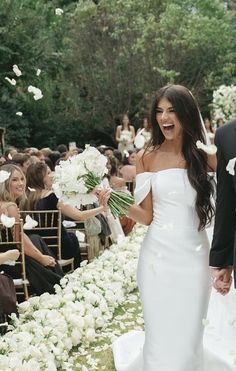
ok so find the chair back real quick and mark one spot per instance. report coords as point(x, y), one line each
point(49, 229)
point(12, 238)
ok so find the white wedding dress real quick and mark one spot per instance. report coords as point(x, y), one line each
point(175, 287)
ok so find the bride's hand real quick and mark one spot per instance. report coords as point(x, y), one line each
point(103, 197)
point(222, 279)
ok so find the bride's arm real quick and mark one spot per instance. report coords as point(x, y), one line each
point(212, 163)
point(142, 213)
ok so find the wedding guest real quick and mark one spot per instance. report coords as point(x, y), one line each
point(42, 269)
point(39, 178)
point(108, 152)
point(223, 251)
point(22, 160)
point(125, 134)
point(128, 170)
point(209, 129)
point(9, 152)
point(219, 122)
point(62, 148)
point(146, 130)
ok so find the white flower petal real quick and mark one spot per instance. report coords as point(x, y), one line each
point(29, 223)
point(16, 70)
point(11, 81)
point(31, 189)
point(6, 221)
point(4, 175)
point(59, 11)
point(38, 72)
point(19, 113)
point(231, 166)
point(209, 149)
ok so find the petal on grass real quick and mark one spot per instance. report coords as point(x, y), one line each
point(16, 70)
point(11, 81)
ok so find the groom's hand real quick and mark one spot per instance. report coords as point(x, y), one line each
point(222, 279)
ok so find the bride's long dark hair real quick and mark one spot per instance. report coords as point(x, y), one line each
point(187, 111)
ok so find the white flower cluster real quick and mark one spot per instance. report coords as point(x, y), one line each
point(224, 102)
point(50, 325)
point(69, 177)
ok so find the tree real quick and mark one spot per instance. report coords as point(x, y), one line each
point(103, 58)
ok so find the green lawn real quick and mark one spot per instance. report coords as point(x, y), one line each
point(99, 355)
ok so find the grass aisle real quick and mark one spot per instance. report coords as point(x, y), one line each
point(99, 355)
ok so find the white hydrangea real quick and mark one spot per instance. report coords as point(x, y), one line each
point(224, 102)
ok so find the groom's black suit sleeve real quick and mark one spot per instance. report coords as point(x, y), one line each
point(222, 251)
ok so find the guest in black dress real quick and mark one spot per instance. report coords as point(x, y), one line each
point(39, 178)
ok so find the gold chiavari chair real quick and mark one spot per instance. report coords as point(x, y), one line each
point(49, 228)
point(12, 238)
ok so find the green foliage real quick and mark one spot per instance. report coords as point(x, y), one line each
point(102, 58)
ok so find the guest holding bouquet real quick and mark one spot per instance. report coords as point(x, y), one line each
point(40, 196)
point(125, 135)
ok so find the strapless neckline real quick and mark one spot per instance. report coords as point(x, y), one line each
point(162, 171)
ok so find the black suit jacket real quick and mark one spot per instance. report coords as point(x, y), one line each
point(223, 251)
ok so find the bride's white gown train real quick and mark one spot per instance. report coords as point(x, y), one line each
point(174, 285)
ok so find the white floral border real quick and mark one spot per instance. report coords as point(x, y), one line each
point(49, 326)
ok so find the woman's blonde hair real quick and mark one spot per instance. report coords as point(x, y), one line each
point(5, 192)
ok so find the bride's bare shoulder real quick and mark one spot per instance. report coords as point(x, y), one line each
point(145, 159)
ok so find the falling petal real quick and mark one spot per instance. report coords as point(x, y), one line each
point(6, 221)
point(9, 156)
point(209, 149)
point(4, 175)
point(16, 70)
point(19, 113)
point(231, 165)
point(29, 223)
point(38, 72)
point(126, 153)
point(11, 81)
point(198, 248)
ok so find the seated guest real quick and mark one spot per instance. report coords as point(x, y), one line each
point(39, 178)
point(22, 160)
point(128, 170)
point(42, 269)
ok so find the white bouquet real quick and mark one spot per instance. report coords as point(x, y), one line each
point(75, 179)
point(124, 136)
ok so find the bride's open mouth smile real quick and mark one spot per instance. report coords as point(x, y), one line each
point(168, 127)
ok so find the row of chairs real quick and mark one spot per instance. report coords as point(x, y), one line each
point(49, 228)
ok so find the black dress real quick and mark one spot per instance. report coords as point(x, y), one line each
point(69, 242)
point(41, 279)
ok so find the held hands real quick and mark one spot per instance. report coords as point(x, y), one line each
point(221, 279)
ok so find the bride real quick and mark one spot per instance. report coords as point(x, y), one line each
point(173, 196)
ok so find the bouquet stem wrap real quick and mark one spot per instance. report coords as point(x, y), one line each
point(119, 202)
